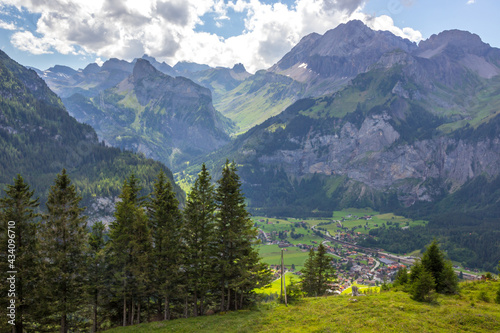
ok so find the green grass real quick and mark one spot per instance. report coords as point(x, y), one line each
point(271, 254)
point(361, 288)
point(275, 286)
point(381, 312)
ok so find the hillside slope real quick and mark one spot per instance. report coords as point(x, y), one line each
point(385, 312)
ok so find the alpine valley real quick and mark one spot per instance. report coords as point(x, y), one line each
point(352, 118)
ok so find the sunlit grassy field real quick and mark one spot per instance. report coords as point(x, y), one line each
point(471, 311)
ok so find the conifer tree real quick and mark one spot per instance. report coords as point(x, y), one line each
point(309, 275)
point(19, 207)
point(165, 221)
point(441, 270)
point(423, 286)
point(401, 277)
point(326, 272)
point(97, 270)
point(236, 235)
point(318, 273)
point(63, 238)
point(129, 250)
point(199, 239)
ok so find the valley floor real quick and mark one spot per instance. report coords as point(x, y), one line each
point(473, 310)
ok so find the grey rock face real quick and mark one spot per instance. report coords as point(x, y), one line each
point(372, 156)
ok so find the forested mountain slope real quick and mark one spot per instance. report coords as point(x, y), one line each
point(38, 138)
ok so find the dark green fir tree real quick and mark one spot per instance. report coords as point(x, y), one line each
point(18, 239)
point(165, 222)
point(237, 256)
point(199, 240)
point(63, 240)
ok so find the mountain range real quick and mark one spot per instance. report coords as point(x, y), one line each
point(38, 138)
point(351, 118)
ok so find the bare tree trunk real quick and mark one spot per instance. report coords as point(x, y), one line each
point(202, 304)
point(241, 301)
point(132, 306)
point(228, 298)
point(166, 311)
point(195, 306)
point(235, 300)
point(139, 312)
point(64, 328)
point(124, 310)
point(185, 307)
point(222, 298)
point(94, 324)
point(124, 303)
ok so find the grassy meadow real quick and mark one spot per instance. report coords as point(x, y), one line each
point(472, 311)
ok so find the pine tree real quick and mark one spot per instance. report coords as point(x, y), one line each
point(165, 221)
point(422, 288)
point(326, 272)
point(236, 254)
point(318, 273)
point(63, 238)
point(199, 239)
point(130, 249)
point(97, 269)
point(19, 207)
point(309, 285)
point(434, 262)
point(401, 277)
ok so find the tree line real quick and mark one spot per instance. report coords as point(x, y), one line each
point(153, 262)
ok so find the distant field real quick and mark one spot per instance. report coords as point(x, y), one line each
point(271, 254)
point(275, 287)
point(351, 217)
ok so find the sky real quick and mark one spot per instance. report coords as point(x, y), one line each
point(257, 33)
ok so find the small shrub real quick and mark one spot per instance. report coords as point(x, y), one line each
point(497, 299)
point(483, 296)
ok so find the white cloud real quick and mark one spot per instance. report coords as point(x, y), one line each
point(384, 22)
point(470, 2)
point(165, 29)
point(7, 26)
point(25, 41)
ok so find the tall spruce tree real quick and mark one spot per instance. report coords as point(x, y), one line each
point(165, 222)
point(130, 249)
point(309, 275)
point(236, 235)
point(318, 272)
point(97, 270)
point(19, 207)
point(63, 239)
point(199, 240)
point(434, 262)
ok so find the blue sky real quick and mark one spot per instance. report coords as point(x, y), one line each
point(256, 33)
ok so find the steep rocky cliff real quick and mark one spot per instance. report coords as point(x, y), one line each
point(168, 119)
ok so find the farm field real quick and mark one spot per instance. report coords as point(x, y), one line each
point(349, 218)
point(275, 286)
point(271, 254)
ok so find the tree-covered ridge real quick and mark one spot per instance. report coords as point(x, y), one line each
point(38, 138)
point(154, 262)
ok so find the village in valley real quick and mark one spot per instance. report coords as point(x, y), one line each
point(354, 264)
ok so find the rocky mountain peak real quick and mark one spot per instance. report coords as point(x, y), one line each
point(451, 41)
point(115, 63)
point(239, 68)
point(62, 70)
point(142, 69)
point(91, 68)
